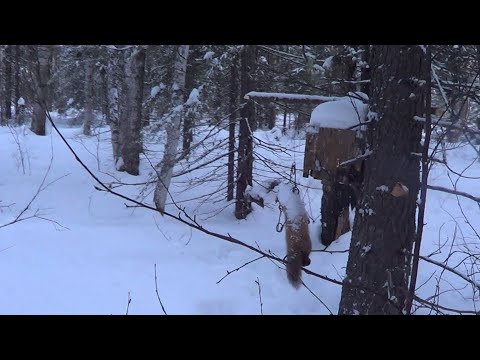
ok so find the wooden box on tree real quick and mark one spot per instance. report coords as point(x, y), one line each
point(333, 155)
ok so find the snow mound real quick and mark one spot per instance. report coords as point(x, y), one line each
point(340, 114)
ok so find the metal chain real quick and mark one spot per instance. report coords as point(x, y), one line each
point(293, 173)
point(279, 224)
point(293, 179)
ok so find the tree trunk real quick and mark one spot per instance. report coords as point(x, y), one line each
point(131, 113)
point(245, 146)
point(2, 80)
point(88, 95)
point(231, 128)
point(189, 119)
point(366, 74)
point(165, 168)
point(17, 81)
point(7, 60)
point(41, 58)
point(113, 85)
point(328, 216)
point(271, 116)
point(384, 230)
point(188, 123)
point(104, 93)
point(303, 117)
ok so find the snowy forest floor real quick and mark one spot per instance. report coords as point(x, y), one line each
point(98, 252)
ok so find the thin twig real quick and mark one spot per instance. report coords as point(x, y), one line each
point(156, 290)
point(452, 270)
point(316, 297)
point(247, 263)
point(260, 295)
point(332, 251)
point(436, 307)
point(454, 192)
point(128, 303)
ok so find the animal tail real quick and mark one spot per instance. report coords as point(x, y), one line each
point(294, 268)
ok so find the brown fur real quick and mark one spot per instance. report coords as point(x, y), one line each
point(299, 247)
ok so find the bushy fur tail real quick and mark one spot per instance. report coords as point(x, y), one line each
point(294, 268)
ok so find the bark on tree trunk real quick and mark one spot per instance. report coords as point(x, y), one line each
point(245, 146)
point(384, 230)
point(41, 58)
point(366, 73)
point(17, 81)
point(231, 128)
point(165, 168)
point(88, 106)
point(271, 116)
point(131, 113)
point(8, 81)
point(2, 80)
point(190, 77)
point(113, 119)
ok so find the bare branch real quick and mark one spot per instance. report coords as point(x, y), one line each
point(454, 192)
point(452, 270)
point(438, 307)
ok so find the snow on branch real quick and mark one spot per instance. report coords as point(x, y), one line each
point(354, 160)
point(291, 97)
point(446, 123)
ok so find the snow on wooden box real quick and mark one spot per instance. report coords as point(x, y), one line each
point(331, 136)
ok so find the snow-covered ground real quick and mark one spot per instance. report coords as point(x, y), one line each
point(98, 252)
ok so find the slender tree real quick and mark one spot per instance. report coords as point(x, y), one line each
point(231, 127)
point(40, 61)
point(165, 168)
point(113, 88)
point(8, 81)
point(245, 145)
point(17, 78)
point(89, 63)
point(131, 112)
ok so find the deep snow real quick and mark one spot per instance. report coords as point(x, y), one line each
point(109, 250)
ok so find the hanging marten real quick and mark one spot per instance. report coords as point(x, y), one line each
point(297, 233)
